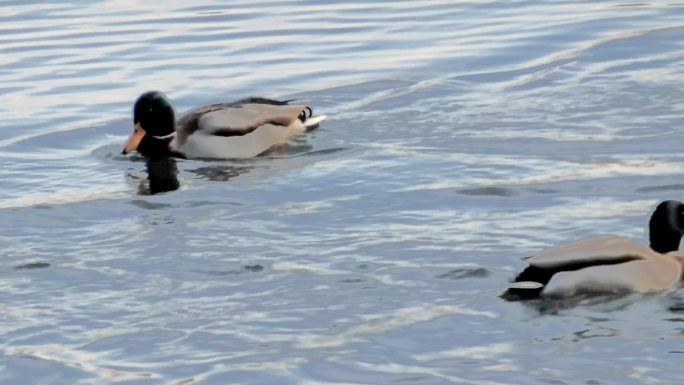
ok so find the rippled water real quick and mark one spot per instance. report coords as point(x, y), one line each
point(462, 136)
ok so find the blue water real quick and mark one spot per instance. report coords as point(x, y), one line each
point(461, 137)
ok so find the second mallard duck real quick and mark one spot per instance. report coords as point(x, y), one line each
point(241, 129)
point(608, 264)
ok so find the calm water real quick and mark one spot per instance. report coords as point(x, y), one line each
point(462, 136)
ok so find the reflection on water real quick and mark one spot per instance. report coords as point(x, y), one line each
point(245, 269)
point(162, 176)
point(468, 272)
point(32, 265)
point(601, 303)
point(221, 173)
point(461, 137)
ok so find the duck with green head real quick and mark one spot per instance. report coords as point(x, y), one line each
point(240, 129)
point(608, 264)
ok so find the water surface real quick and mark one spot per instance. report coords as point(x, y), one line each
point(461, 137)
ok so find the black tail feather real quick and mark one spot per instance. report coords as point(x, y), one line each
point(530, 274)
point(303, 116)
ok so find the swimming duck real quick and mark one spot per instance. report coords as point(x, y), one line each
point(608, 264)
point(241, 129)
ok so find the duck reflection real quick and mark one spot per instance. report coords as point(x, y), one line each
point(162, 176)
point(221, 173)
point(162, 172)
point(602, 302)
point(287, 156)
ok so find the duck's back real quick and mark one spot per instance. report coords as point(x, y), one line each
point(605, 248)
point(241, 129)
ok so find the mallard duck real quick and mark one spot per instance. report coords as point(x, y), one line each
point(240, 129)
point(608, 264)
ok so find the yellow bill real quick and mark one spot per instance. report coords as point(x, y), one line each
point(134, 140)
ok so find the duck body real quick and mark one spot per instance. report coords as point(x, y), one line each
point(240, 129)
point(608, 264)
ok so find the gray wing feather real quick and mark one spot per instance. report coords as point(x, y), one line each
point(601, 248)
point(236, 118)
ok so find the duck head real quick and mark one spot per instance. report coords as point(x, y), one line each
point(153, 117)
point(666, 226)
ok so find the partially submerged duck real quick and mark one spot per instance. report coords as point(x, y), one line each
point(608, 264)
point(241, 129)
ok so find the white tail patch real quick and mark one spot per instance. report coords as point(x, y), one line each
point(525, 285)
point(314, 121)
